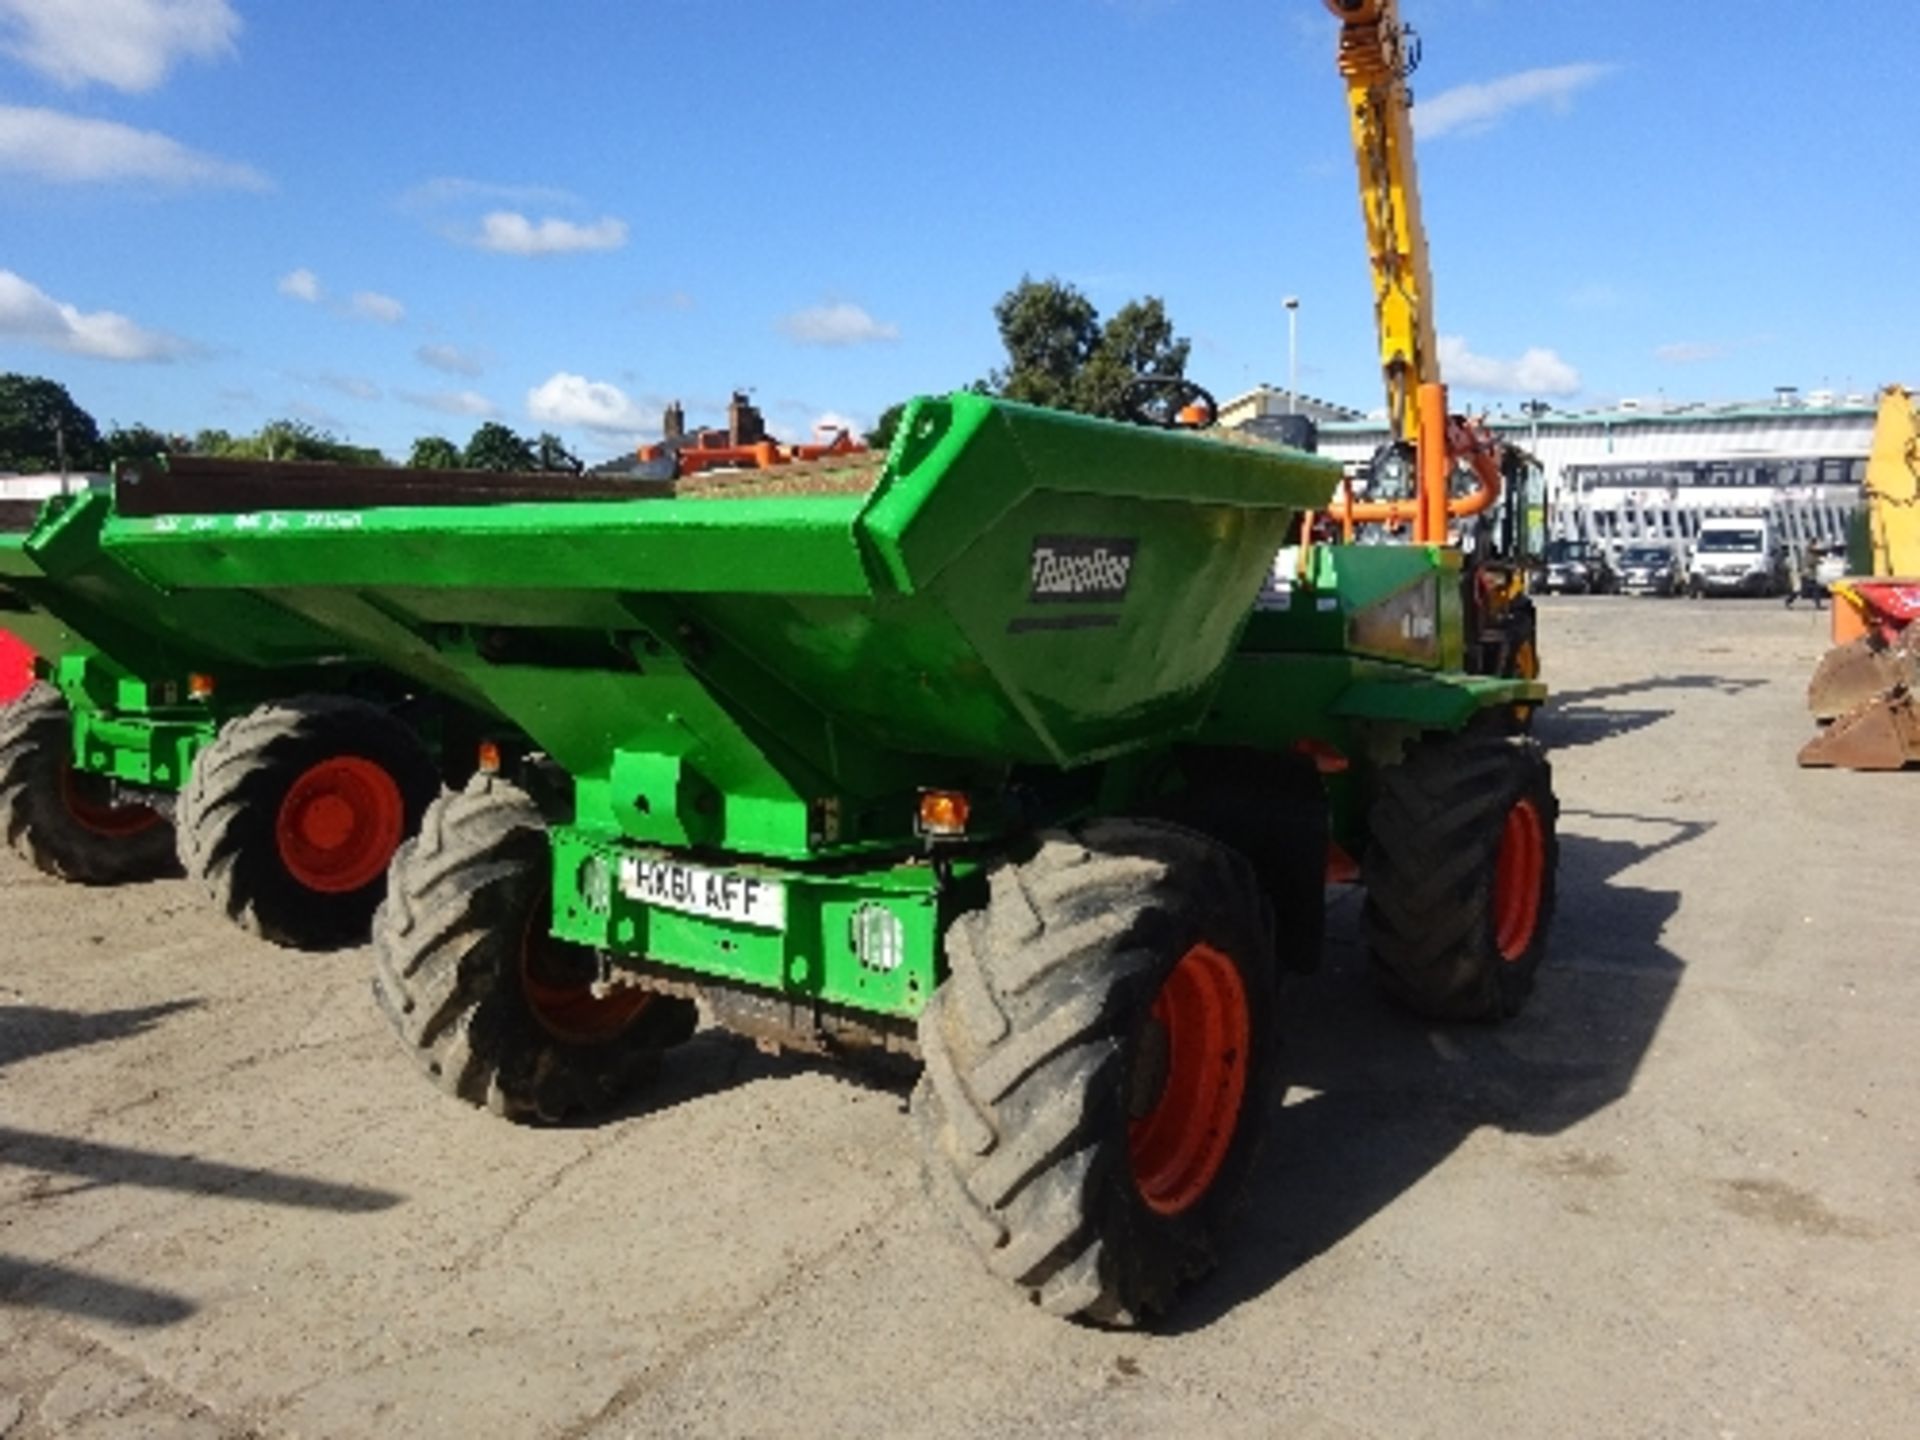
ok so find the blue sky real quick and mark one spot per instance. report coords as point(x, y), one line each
point(395, 219)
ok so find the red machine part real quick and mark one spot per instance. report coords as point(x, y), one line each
point(16, 667)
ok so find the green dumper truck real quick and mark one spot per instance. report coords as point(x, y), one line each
point(1018, 753)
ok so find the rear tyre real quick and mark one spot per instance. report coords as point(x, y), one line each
point(65, 822)
point(1459, 871)
point(1101, 1064)
point(293, 812)
point(495, 1011)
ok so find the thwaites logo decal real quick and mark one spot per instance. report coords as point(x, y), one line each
point(1077, 570)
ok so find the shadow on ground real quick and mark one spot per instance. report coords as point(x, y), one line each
point(30, 1030)
point(714, 1061)
point(62, 1165)
point(1578, 717)
point(26, 1285)
point(1392, 1096)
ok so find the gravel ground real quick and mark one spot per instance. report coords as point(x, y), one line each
point(1678, 1197)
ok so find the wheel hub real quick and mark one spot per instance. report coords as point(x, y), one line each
point(1189, 1080)
point(339, 824)
point(1519, 873)
point(93, 810)
point(558, 982)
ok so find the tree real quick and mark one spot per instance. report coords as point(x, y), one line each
point(1137, 341)
point(495, 447)
point(549, 453)
point(297, 440)
point(434, 452)
point(1060, 355)
point(134, 442)
point(1050, 330)
point(881, 436)
point(38, 420)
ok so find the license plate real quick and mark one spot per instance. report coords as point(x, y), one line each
point(716, 894)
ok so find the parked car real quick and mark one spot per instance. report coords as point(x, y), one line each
point(1652, 567)
point(1577, 567)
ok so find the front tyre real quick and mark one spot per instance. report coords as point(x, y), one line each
point(66, 822)
point(1101, 1065)
point(293, 812)
point(1459, 872)
point(488, 1004)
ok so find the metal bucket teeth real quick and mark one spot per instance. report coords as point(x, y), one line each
point(1881, 734)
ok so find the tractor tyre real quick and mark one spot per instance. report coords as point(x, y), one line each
point(1459, 874)
point(1101, 1064)
point(490, 1006)
point(292, 814)
point(66, 822)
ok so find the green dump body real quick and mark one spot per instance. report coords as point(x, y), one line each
point(778, 675)
point(122, 648)
point(60, 591)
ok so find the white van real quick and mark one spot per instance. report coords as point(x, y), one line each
point(1736, 555)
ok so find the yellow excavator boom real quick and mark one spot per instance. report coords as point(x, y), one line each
point(1893, 486)
point(1374, 61)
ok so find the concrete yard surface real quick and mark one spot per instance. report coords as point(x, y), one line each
point(1680, 1196)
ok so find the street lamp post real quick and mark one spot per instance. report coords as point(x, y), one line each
point(1292, 302)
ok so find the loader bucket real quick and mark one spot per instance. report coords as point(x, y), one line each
point(1882, 733)
point(1865, 667)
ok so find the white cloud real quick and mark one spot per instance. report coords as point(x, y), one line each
point(128, 44)
point(1689, 352)
point(371, 305)
point(452, 402)
point(29, 313)
point(301, 284)
point(355, 387)
point(565, 399)
point(1538, 371)
point(508, 232)
point(73, 150)
point(838, 324)
point(832, 420)
point(1470, 109)
point(448, 190)
point(449, 359)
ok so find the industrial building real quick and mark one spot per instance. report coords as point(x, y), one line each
point(1654, 469)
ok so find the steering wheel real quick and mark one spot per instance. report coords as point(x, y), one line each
point(1168, 402)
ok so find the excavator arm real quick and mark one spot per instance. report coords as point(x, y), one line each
point(1375, 60)
point(1377, 53)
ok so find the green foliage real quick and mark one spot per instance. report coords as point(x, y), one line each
point(1050, 330)
point(550, 454)
point(1137, 341)
point(495, 447)
point(434, 452)
point(297, 440)
point(881, 436)
point(37, 417)
point(135, 442)
point(1060, 355)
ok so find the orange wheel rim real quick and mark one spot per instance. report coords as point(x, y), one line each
point(339, 824)
point(557, 980)
point(1179, 1145)
point(110, 821)
point(1518, 877)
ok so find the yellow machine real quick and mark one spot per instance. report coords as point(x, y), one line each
point(1862, 690)
point(1377, 53)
